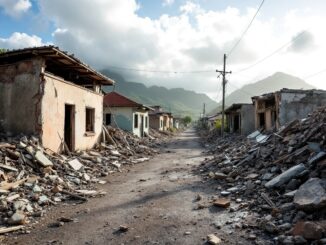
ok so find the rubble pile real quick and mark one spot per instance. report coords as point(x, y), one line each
point(32, 178)
point(277, 179)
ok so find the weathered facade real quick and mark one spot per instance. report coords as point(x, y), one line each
point(159, 119)
point(124, 113)
point(45, 92)
point(274, 110)
point(240, 118)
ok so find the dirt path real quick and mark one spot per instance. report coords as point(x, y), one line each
point(155, 199)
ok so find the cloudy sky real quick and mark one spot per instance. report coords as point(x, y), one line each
point(177, 43)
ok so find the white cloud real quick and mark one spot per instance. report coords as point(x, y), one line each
point(110, 33)
point(20, 40)
point(15, 8)
point(191, 8)
point(167, 2)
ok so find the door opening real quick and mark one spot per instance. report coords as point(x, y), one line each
point(142, 126)
point(69, 129)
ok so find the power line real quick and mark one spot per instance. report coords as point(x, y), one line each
point(315, 74)
point(245, 31)
point(273, 53)
point(160, 71)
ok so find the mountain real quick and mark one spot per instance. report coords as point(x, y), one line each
point(272, 83)
point(177, 100)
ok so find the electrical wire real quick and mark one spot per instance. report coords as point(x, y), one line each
point(315, 74)
point(160, 71)
point(272, 54)
point(245, 31)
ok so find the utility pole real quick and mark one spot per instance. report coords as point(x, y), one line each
point(223, 72)
point(204, 110)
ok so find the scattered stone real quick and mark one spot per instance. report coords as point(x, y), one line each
point(212, 239)
point(42, 159)
point(284, 177)
point(311, 194)
point(17, 218)
point(75, 164)
point(309, 230)
point(222, 202)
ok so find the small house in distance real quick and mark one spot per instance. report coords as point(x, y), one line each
point(124, 113)
point(53, 95)
point(240, 118)
point(159, 119)
point(274, 110)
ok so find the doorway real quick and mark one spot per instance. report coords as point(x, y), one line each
point(69, 128)
point(141, 126)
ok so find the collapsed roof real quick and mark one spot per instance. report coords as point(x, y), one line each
point(59, 63)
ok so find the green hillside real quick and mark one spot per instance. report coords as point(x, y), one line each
point(177, 100)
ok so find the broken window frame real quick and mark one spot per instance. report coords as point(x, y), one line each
point(135, 120)
point(89, 120)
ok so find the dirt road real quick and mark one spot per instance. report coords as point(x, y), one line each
point(155, 199)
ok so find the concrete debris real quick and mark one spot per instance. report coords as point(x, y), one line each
point(33, 178)
point(75, 164)
point(212, 239)
point(222, 202)
point(311, 195)
point(280, 178)
point(284, 177)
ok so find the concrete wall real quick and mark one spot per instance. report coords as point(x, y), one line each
point(20, 95)
point(121, 117)
point(57, 93)
point(299, 105)
point(137, 131)
point(247, 119)
point(155, 122)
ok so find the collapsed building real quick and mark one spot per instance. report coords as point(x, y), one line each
point(240, 118)
point(48, 93)
point(274, 110)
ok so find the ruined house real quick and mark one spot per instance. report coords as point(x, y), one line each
point(159, 119)
point(124, 113)
point(48, 93)
point(240, 118)
point(274, 110)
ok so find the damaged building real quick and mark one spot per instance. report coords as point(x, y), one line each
point(240, 118)
point(274, 110)
point(160, 119)
point(48, 93)
point(124, 113)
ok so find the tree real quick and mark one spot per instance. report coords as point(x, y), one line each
point(186, 120)
point(2, 50)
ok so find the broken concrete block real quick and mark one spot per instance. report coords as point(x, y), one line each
point(42, 159)
point(17, 218)
point(286, 176)
point(222, 202)
point(218, 175)
point(212, 239)
point(311, 194)
point(75, 164)
point(309, 230)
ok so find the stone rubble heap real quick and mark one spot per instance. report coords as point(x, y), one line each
point(280, 183)
point(33, 178)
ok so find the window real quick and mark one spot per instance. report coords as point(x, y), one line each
point(136, 121)
point(108, 119)
point(161, 123)
point(90, 119)
point(146, 122)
